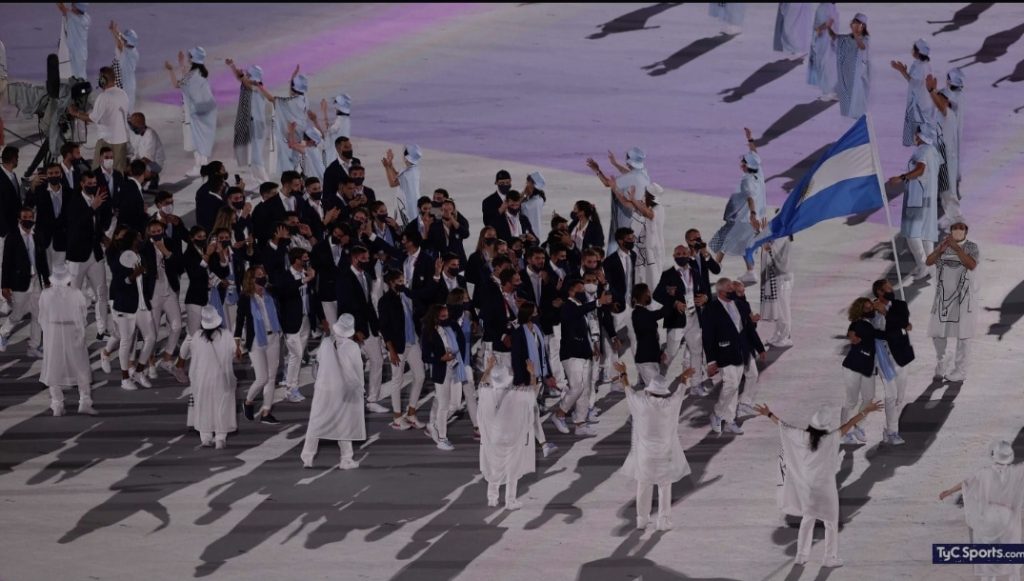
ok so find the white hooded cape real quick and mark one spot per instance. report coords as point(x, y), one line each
point(809, 485)
point(62, 316)
point(507, 418)
point(655, 454)
point(337, 409)
point(212, 379)
point(993, 499)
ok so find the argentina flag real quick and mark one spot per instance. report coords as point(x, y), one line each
point(846, 180)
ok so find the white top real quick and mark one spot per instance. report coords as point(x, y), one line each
point(110, 114)
point(147, 145)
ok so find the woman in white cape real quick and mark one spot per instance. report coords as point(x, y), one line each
point(993, 500)
point(212, 377)
point(648, 222)
point(655, 455)
point(810, 461)
point(200, 106)
point(507, 416)
point(62, 316)
point(337, 409)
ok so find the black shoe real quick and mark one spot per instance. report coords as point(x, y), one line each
point(269, 419)
point(102, 336)
point(249, 411)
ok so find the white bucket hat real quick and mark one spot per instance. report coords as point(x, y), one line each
point(211, 319)
point(345, 326)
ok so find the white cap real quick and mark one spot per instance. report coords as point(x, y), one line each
point(823, 419)
point(753, 160)
point(314, 135)
point(922, 47)
point(413, 153)
point(300, 84)
point(956, 77)
point(255, 73)
point(537, 179)
point(655, 190)
point(129, 259)
point(343, 103)
point(927, 133)
point(211, 318)
point(345, 326)
point(635, 158)
point(198, 55)
point(60, 276)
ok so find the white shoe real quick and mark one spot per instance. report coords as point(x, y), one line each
point(375, 408)
point(58, 410)
point(664, 523)
point(940, 370)
point(307, 461)
point(85, 407)
point(801, 558)
point(34, 352)
point(220, 444)
point(414, 422)
point(193, 173)
point(399, 423)
point(733, 428)
point(492, 501)
point(141, 379)
point(513, 504)
point(104, 362)
point(894, 439)
point(585, 430)
point(787, 342)
point(348, 464)
point(128, 385)
point(548, 448)
point(592, 415)
point(858, 432)
point(716, 424)
point(748, 278)
point(206, 443)
point(849, 439)
point(151, 372)
point(432, 433)
point(642, 522)
point(559, 422)
point(444, 444)
point(832, 563)
point(294, 396)
point(957, 375)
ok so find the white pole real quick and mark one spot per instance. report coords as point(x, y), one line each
point(885, 202)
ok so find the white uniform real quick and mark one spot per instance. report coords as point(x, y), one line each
point(62, 314)
point(993, 500)
point(200, 115)
point(650, 246)
point(507, 417)
point(73, 48)
point(337, 409)
point(777, 287)
point(127, 61)
point(212, 377)
point(809, 485)
point(821, 62)
point(956, 305)
point(793, 27)
point(408, 192)
point(287, 110)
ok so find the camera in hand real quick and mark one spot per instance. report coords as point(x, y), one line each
point(699, 244)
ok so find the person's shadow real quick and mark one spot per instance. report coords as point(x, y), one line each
point(796, 172)
point(686, 54)
point(1015, 77)
point(967, 15)
point(632, 21)
point(767, 73)
point(1010, 311)
point(625, 563)
point(796, 116)
point(994, 46)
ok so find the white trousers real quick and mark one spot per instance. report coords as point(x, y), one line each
point(312, 443)
point(168, 305)
point(894, 392)
point(728, 398)
point(554, 341)
point(859, 391)
point(26, 303)
point(577, 397)
point(647, 372)
point(373, 350)
point(296, 345)
point(55, 257)
point(688, 342)
point(207, 437)
point(57, 395)
point(645, 497)
point(413, 355)
point(963, 349)
point(96, 272)
point(265, 361)
point(784, 314)
point(493, 489)
point(330, 311)
point(620, 321)
point(806, 537)
point(126, 324)
point(920, 249)
point(442, 399)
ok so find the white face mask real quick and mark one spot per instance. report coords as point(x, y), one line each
point(108, 164)
point(959, 235)
point(167, 209)
point(590, 288)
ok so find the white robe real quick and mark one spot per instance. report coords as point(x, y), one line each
point(957, 297)
point(532, 208)
point(821, 63)
point(62, 316)
point(655, 454)
point(200, 112)
point(73, 47)
point(809, 484)
point(128, 61)
point(337, 409)
point(920, 217)
point(793, 27)
point(507, 417)
point(342, 127)
point(920, 108)
point(650, 246)
point(950, 126)
point(408, 193)
point(621, 216)
point(728, 12)
point(313, 161)
point(775, 270)
point(853, 75)
point(212, 379)
point(993, 500)
point(287, 110)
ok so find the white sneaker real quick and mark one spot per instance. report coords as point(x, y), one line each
point(206, 443)
point(348, 464)
point(849, 440)
point(141, 379)
point(128, 385)
point(832, 563)
point(375, 408)
point(104, 362)
point(787, 342)
point(957, 375)
point(733, 428)
point(801, 558)
point(492, 501)
point(513, 504)
point(294, 396)
point(220, 444)
point(592, 415)
point(559, 422)
point(940, 370)
point(414, 422)
point(585, 430)
point(664, 523)
point(548, 448)
point(858, 432)
point(307, 460)
point(85, 407)
point(151, 372)
point(893, 438)
point(716, 424)
point(444, 444)
point(642, 522)
point(399, 423)
point(749, 278)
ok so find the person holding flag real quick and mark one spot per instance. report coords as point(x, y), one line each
point(744, 213)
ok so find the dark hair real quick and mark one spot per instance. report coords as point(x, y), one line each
point(266, 187)
point(424, 200)
point(414, 238)
point(856, 310)
point(621, 233)
point(296, 254)
point(340, 140)
point(877, 286)
point(163, 196)
point(9, 154)
point(391, 276)
point(357, 250)
point(196, 230)
point(68, 148)
point(202, 69)
point(534, 250)
point(816, 436)
point(213, 168)
point(443, 192)
point(526, 312)
point(312, 180)
point(105, 149)
point(137, 167)
point(430, 318)
point(513, 196)
point(209, 334)
point(156, 222)
point(290, 175)
point(507, 275)
point(639, 289)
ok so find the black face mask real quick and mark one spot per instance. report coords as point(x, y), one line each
point(381, 217)
point(513, 211)
point(400, 288)
point(581, 296)
point(91, 190)
point(358, 181)
point(454, 312)
point(890, 296)
point(627, 246)
point(346, 154)
point(562, 264)
point(504, 190)
point(682, 261)
point(732, 296)
point(285, 242)
point(364, 265)
point(238, 205)
point(225, 244)
point(260, 281)
point(293, 230)
point(453, 272)
point(336, 241)
point(305, 264)
point(28, 224)
point(53, 181)
point(490, 241)
point(154, 239)
point(200, 242)
point(315, 196)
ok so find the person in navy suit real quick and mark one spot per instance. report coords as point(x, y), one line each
point(647, 352)
point(678, 289)
point(704, 263)
point(512, 224)
point(730, 343)
point(51, 216)
point(859, 363)
point(89, 215)
point(24, 272)
point(492, 205)
point(894, 319)
point(620, 274)
point(129, 203)
point(354, 291)
point(401, 338)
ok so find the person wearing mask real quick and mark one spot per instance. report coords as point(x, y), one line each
point(196, 261)
point(144, 144)
point(730, 342)
point(533, 202)
point(353, 288)
point(744, 213)
point(620, 269)
point(24, 272)
point(451, 231)
point(398, 330)
point(200, 122)
point(287, 110)
point(955, 309)
point(110, 115)
point(920, 220)
point(859, 364)
point(678, 292)
point(578, 350)
point(336, 413)
point(339, 128)
point(421, 271)
point(49, 201)
point(506, 432)
point(210, 195)
point(442, 352)
point(257, 318)
point(72, 166)
point(314, 213)
point(478, 265)
point(357, 173)
point(408, 181)
point(277, 203)
point(129, 203)
point(163, 265)
point(226, 269)
point(274, 254)
point(73, 46)
point(647, 352)
point(892, 320)
point(110, 177)
point(126, 60)
point(89, 216)
point(531, 365)
point(251, 122)
point(462, 315)
point(493, 206)
point(132, 309)
point(62, 316)
point(920, 108)
point(11, 194)
point(329, 259)
point(293, 294)
point(585, 228)
point(339, 167)
point(512, 224)
point(499, 308)
point(423, 224)
point(212, 377)
point(174, 227)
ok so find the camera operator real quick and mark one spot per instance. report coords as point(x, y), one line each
point(110, 115)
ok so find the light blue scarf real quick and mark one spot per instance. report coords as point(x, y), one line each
point(460, 366)
point(534, 349)
point(259, 325)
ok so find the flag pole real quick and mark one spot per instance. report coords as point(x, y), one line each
point(885, 202)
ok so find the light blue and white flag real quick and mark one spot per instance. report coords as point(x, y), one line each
point(846, 180)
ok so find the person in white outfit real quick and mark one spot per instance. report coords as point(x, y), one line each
point(777, 289)
point(507, 423)
point(73, 46)
point(126, 60)
point(337, 409)
point(212, 376)
point(258, 327)
point(993, 501)
point(744, 213)
point(408, 182)
point(251, 122)
point(956, 306)
point(811, 458)
point(65, 355)
point(920, 219)
point(200, 108)
point(109, 113)
point(655, 457)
